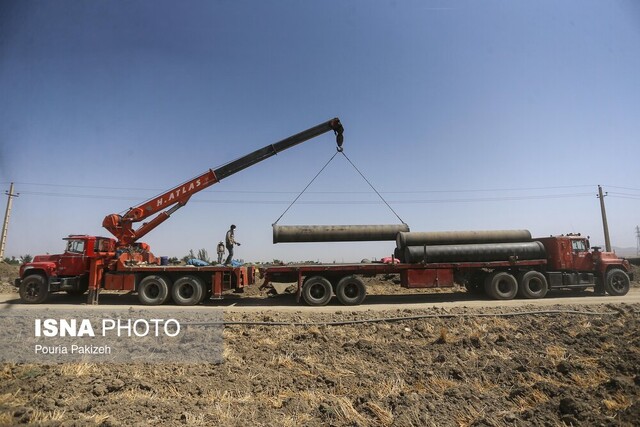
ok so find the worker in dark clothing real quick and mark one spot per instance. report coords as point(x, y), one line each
point(220, 250)
point(229, 242)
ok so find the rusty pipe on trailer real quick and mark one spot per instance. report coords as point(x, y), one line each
point(475, 252)
point(336, 233)
point(432, 238)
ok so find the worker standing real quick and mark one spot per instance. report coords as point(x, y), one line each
point(230, 241)
point(220, 250)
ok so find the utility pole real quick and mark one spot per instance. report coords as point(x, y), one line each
point(637, 240)
point(605, 226)
point(5, 224)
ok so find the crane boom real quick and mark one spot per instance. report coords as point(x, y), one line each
point(121, 226)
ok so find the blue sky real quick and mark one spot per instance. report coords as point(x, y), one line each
point(463, 114)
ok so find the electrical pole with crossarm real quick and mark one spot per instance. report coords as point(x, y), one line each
point(605, 225)
point(5, 224)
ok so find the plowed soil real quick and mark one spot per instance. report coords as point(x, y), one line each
point(464, 367)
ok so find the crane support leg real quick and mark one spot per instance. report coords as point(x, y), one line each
point(95, 277)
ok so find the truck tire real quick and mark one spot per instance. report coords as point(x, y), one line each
point(34, 289)
point(501, 285)
point(532, 284)
point(316, 291)
point(153, 290)
point(616, 282)
point(351, 291)
point(187, 290)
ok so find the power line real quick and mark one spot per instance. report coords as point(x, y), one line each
point(415, 200)
point(329, 202)
point(624, 195)
point(623, 188)
point(477, 190)
point(79, 196)
point(90, 187)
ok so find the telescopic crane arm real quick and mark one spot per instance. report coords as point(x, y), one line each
point(121, 226)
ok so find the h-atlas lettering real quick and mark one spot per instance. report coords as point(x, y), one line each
point(161, 201)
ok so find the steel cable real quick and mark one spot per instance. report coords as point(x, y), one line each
point(305, 188)
point(373, 188)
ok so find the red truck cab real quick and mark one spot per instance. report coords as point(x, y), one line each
point(68, 271)
point(573, 263)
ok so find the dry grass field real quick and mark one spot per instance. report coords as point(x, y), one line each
point(458, 367)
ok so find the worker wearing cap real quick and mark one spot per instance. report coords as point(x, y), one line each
point(220, 250)
point(229, 242)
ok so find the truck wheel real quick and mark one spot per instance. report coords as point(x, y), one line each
point(34, 289)
point(532, 284)
point(501, 285)
point(316, 291)
point(351, 291)
point(617, 282)
point(153, 290)
point(187, 290)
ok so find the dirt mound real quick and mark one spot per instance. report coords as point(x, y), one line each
point(460, 367)
point(8, 273)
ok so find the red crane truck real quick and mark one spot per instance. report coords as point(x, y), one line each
point(561, 262)
point(93, 262)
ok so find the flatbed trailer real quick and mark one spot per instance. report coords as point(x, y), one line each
point(501, 271)
point(316, 283)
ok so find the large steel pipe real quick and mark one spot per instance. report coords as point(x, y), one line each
point(336, 233)
point(475, 253)
point(461, 237)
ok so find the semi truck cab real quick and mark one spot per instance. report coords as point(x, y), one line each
point(68, 271)
point(573, 263)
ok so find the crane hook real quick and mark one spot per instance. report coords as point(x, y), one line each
point(337, 130)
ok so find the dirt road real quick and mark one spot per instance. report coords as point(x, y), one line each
point(287, 303)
